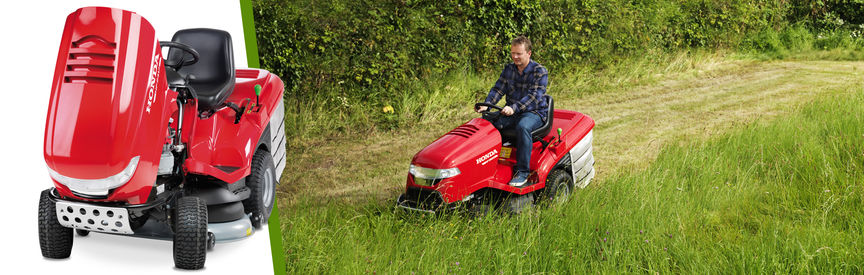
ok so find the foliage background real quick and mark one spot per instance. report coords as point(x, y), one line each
point(345, 62)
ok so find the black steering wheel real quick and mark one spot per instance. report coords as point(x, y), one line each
point(490, 105)
point(488, 114)
point(183, 61)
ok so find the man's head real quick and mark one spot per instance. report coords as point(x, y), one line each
point(520, 51)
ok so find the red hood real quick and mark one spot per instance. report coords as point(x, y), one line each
point(107, 95)
point(463, 145)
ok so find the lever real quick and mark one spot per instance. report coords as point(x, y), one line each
point(257, 95)
point(238, 110)
point(559, 135)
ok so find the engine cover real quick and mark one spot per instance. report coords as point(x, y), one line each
point(110, 103)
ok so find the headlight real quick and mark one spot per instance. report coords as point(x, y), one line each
point(97, 187)
point(433, 174)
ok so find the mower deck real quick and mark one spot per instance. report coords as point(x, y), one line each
point(115, 220)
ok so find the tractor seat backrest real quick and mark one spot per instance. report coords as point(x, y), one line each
point(541, 132)
point(213, 74)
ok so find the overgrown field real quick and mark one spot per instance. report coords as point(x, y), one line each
point(729, 134)
point(774, 196)
point(638, 109)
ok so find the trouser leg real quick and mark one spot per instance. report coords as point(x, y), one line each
point(528, 122)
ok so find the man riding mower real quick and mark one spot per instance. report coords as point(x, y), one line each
point(475, 164)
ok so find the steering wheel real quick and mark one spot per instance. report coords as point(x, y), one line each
point(183, 47)
point(488, 113)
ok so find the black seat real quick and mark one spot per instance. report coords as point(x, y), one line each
point(213, 74)
point(509, 134)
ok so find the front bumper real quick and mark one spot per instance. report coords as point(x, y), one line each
point(423, 200)
point(93, 217)
point(100, 217)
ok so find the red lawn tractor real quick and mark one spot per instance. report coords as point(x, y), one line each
point(470, 166)
point(186, 148)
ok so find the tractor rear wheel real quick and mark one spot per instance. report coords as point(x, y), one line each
point(55, 240)
point(190, 233)
point(262, 182)
point(559, 186)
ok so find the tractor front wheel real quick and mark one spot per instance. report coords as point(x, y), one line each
point(55, 240)
point(190, 233)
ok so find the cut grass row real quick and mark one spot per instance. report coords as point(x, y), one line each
point(783, 195)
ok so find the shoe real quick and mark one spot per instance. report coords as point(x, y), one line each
point(519, 179)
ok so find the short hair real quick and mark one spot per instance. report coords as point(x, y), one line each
point(524, 41)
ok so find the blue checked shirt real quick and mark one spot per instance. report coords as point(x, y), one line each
point(525, 92)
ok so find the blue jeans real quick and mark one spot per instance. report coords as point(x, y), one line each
point(523, 123)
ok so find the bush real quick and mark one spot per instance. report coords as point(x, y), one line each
point(354, 58)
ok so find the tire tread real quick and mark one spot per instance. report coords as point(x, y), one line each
point(55, 240)
point(190, 236)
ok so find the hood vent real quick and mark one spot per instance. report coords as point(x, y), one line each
point(465, 131)
point(253, 74)
point(91, 60)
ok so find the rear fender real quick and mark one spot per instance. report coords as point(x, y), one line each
point(224, 150)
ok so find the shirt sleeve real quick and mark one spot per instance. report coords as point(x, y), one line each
point(497, 91)
point(535, 93)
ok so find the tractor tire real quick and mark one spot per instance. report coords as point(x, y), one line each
point(559, 186)
point(82, 232)
point(55, 240)
point(190, 233)
point(262, 184)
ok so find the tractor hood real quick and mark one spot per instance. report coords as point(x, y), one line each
point(468, 143)
point(110, 104)
point(464, 157)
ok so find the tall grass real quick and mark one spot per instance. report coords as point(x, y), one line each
point(774, 197)
point(433, 99)
point(800, 42)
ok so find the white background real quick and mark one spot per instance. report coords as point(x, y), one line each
point(30, 41)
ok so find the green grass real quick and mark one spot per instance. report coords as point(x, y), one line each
point(797, 42)
point(779, 196)
point(321, 114)
point(439, 97)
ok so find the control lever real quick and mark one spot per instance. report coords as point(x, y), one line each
point(257, 106)
point(559, 135)
point(238, 110)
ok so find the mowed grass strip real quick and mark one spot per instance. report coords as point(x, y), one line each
point(775, 196)
point(687, 96)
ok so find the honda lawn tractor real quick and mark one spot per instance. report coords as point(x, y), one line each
point(185, 148)
point(470, 166)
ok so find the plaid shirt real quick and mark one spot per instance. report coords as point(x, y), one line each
point(525, 92)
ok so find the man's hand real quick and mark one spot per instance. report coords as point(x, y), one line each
point(480, 109)
point(507, 111)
